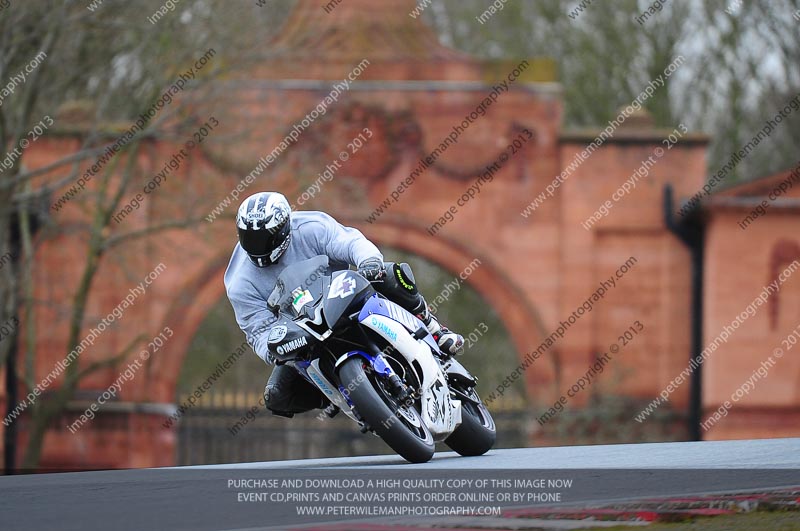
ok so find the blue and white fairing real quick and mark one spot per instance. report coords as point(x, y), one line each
point(440, 412)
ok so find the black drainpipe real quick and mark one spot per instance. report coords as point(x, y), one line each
point(12, 396)
point(691, 231)
point(12, 384)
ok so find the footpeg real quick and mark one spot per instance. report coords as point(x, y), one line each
point(420, 333)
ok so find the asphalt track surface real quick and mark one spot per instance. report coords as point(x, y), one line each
point(203, 498)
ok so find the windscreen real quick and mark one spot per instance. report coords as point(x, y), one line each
point(299, 285)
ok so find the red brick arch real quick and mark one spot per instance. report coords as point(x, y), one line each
point(536, 266)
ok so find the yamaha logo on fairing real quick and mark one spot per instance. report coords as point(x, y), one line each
point(321, 383)
point(292, 345)
point(383, 327)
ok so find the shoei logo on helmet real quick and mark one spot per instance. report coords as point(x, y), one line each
point(256, 216)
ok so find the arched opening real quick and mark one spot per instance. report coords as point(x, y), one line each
point(490, 297)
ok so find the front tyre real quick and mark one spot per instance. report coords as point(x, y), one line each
point(399, 426)
point(476, 434)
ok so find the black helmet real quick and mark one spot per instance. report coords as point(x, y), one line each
point(263, 226)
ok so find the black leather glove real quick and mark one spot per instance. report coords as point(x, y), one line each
point(372, 269)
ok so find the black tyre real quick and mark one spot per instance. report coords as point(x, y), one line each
point(477, 434)
point(400, 426)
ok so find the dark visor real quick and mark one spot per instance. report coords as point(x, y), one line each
point(262, 242)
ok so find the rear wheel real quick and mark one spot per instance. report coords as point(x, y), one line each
point(398, 424)
point(477, 434)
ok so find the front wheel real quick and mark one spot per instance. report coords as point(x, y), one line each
point(399, 425)
point(476, 434)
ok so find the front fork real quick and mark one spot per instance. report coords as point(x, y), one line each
point(382, 369)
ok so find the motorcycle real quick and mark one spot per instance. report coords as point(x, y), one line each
point(376, 362)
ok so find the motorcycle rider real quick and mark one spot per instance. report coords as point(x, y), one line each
point(271, 238)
